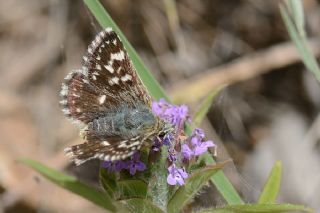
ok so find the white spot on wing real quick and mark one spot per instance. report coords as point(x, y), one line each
point(63, 102)
point(102, 33)
point(105, 143)
point(117, 56)
point(114, 80)
point(109, 68)
point(125, 78)
point(66, 111)
point(118, 70)
point(102, 99)
point(64, 90)
point(109, 30)
point(98, 67)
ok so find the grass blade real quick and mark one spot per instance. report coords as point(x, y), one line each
point(297, 35)
point(72, 184)
point(260, 208)
point(272, 186)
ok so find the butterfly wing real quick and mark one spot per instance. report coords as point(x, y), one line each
point(101, 92)
point(106, 80)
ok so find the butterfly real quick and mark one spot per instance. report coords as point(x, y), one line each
point(109, 102)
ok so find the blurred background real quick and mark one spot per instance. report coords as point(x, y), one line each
point(269, 111)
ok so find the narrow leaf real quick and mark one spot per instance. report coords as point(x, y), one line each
point(204, 107)
point(108, 181)
point(300, 41)
point(259, 208)
point(141, 205)
point(72, 184)
point(193, 184)
point(131, 188)
point(296, 8)
point(272, 186)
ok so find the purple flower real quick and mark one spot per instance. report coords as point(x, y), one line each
point(186, 152)
point(192, 146)
point(172, 155)
point(135, 164)
point(198, 133)
point(132, 165)
point(176, 176)
point(175, 115)
point(196, 146)
point(116, 166)
point(167, 139)
point(202, 147)
point(158, 107)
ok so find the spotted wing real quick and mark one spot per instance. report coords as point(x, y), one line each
point(116, 148)
point(106, 80)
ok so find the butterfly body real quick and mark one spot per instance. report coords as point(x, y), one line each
point(125, 122)
point(108, 100)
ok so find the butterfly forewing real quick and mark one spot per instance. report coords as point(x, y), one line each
point(101, 96)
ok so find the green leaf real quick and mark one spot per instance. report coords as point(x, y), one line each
point(131, 188)
point(105, 21)
point(141, 205)
point(108, 181)
point(296, 8)
point(259, 208)
point(222, 183)
point(193, 184)
point(72, 184)
point(204, 107)
point(297, 35)
point(272, 186)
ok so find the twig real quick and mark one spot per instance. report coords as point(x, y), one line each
point(241, 69)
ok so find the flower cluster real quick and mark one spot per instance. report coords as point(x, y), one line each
point(181, 149)
point(195, 145)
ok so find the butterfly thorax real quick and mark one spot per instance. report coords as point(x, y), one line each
point(125, 122)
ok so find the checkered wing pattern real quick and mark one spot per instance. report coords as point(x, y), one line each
point(101, 97)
